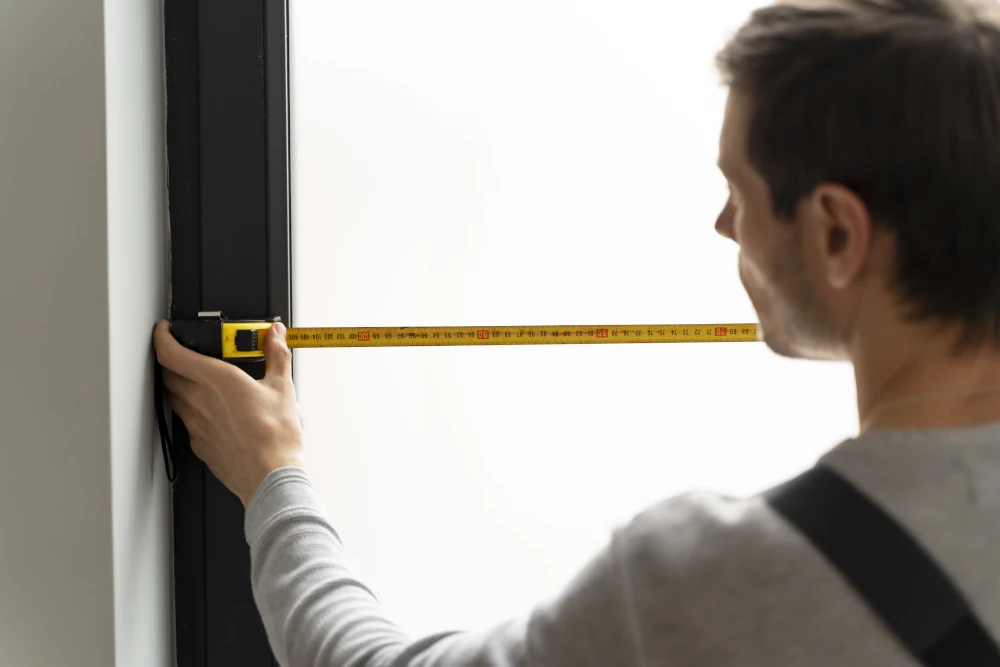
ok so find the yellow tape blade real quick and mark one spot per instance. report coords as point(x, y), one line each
point(521, 335)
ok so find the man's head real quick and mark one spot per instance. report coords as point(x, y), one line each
point(862, 149)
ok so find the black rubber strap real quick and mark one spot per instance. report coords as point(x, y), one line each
point(161, 422)
point(887, 567)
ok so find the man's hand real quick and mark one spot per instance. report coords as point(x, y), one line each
point(241, 428)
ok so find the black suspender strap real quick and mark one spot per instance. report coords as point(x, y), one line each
point(887, 567)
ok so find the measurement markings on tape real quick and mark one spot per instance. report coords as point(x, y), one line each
point(519, 335)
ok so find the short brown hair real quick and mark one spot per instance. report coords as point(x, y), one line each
point(898, 100)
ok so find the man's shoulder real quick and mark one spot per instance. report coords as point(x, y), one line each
point(702, 524)
point(716, 580)
point(706, 547)
point(697, 524)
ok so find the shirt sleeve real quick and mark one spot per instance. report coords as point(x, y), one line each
point(318, 614)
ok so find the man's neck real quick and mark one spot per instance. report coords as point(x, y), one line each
point(910, 377)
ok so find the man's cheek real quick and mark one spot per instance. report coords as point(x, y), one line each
point(745, 278)
point(741, 228)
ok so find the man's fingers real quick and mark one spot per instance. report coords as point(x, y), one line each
point(277, 356)
point(177, 384)
point(183, 410)
point(177, 358)
point(194, 422)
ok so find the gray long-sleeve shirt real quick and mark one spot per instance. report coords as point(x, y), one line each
point(697, 580)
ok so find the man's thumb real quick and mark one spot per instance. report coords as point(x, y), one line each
point(277, 356)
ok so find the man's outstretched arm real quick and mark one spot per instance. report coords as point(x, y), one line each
point(315, 611)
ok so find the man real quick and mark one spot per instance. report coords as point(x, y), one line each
point(861, 144)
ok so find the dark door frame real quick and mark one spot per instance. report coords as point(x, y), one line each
point(229, 215)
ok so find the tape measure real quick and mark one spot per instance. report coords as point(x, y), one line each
point(217, 336)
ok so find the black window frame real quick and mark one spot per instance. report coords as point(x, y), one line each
point(229, 214)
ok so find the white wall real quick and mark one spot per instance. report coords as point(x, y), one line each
point(137, 239)
point(83, 522)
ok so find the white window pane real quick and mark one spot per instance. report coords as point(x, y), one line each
point(524, 162)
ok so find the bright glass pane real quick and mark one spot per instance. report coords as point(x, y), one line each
point(524, 162)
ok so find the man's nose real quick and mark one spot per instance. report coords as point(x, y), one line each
point(724, 223)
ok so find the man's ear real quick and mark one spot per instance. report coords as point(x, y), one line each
point(841, 227)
